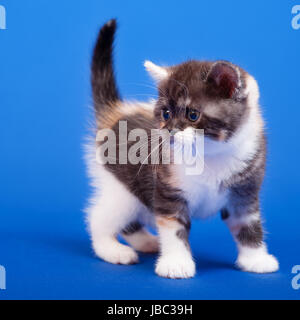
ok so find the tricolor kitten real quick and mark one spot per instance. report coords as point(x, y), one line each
point(218, 97)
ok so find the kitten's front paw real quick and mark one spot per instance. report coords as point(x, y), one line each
point(260, 263)
point(175, 267)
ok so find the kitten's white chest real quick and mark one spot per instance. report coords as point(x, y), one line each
point(221, 161)
point(203, 193)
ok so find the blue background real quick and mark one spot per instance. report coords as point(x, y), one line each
point(44, 111)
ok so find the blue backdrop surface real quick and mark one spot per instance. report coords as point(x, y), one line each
point(44, 110)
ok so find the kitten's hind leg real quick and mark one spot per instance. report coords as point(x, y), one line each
point(140, 239)
point(107, 216)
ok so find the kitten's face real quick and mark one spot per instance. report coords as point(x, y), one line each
point(202, 95)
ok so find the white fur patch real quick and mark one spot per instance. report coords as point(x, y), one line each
point(175, 267)
point(256, 260)
point(176, 260)
point(133, 107)
point(157, 73)
point(106, 216)
point(114, 252)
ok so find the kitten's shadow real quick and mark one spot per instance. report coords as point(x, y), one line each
point(81, 246)
point(203, 263)
point(209, 263)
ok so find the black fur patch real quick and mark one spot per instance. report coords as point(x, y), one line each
point(224, 214)
point(139, 178)
point(132, 228)
point(252, 235)
point(105, 90)
point(183, 234)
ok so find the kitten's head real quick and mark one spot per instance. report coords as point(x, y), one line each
point(201, 95)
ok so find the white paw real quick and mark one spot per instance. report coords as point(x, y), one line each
point(175, 267)
point(143, 241)
point(260, 263)
point(116, 253)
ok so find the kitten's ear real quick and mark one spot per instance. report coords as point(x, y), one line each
point(223, 80)
point(157, 73)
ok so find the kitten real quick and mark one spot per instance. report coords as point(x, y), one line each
point(218, 97)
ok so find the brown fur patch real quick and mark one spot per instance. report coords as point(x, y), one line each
point(168, 222)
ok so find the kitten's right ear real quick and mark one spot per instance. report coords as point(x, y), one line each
point(157, 73)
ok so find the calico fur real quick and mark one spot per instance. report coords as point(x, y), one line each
point(128, 196)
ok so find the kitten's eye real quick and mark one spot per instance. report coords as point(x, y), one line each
point(166, 114)
point(193, 115)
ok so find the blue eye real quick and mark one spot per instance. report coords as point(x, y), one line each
point(166, 114)
point(193, 115)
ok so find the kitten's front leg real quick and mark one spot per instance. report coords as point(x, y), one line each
point(246, 228)
point(173, 224)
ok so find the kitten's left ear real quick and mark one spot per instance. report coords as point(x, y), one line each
point(157, 73)
point(223, 80)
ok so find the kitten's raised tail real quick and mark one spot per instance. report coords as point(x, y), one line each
point(105, 91)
